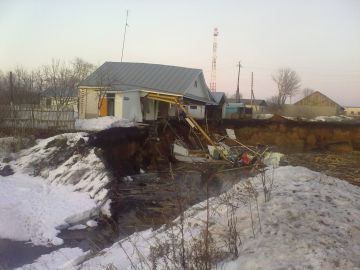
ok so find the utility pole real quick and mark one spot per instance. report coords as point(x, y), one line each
point(237, 97)
point(213, 62)
point(126, 25)
point(252, 88)
point(252, 91)
point(11, 88)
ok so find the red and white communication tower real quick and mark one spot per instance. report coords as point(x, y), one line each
point(213, 68)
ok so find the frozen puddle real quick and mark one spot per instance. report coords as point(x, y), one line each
point(33, 210)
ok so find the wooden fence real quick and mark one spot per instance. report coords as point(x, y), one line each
point(37, 116)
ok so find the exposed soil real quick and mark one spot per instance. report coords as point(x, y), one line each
point(296, 136)
point(152, 200)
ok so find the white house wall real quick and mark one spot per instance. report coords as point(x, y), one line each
point(90, 104)
point(132, 107)
point(118, 110)
point(196, 111)
point(199, 90)
point(151, 110)
point(352, 111)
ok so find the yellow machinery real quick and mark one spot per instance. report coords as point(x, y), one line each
point(224, 154)
point(178, 102)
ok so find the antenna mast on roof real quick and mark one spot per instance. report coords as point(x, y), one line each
point(126, 25)
point(213, 68)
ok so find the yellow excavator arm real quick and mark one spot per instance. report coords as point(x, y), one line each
point(178, 102)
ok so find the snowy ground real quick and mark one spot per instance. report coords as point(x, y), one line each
point(32, 210)
point(58, 183)
point(340, 118)
point(311, 222)
point(101, 123)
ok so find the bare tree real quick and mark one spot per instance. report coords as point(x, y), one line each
point(81, 69)
point(307, 91)
point(59, 84)
point(62, 80)
point(288, 83)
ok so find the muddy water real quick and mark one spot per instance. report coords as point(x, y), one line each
point(155, 199)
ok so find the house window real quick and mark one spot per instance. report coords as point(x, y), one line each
point(193, 107)
point(195, 83)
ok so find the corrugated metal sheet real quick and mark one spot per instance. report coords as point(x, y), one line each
point(149, 76)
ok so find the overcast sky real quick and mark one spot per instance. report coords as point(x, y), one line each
point(320, 39)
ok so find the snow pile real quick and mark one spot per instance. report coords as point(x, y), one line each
point(101, 123)
point(311, 222)
point(32, 210)
point(66, 159)
point(57, 183)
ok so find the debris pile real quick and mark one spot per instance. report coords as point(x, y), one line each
point(224, 148)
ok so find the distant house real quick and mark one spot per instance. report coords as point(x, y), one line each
point(315, 104)
point(217, 111)
point(60, 97)
point(121, 90)
point(257, 105)
point(352, 111)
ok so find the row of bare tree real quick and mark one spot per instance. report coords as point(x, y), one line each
point(59, 79)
